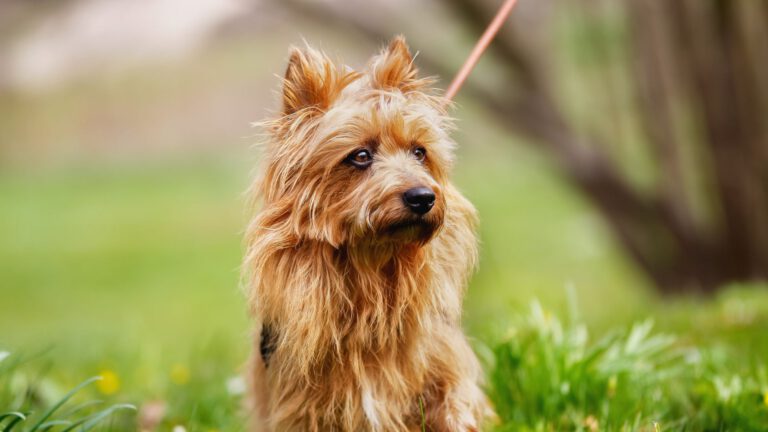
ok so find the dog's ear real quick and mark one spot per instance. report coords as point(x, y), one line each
point(393, 68)
point(312, 80)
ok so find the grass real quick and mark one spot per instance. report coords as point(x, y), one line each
point(35, 408)
point(550, 376)
point(99, 263)
point(543, 376)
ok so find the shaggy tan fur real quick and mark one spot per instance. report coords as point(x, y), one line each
point(359, 298)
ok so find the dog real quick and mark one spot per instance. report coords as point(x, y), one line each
point(358, 256)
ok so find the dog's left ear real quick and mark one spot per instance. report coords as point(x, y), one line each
point(393, 68)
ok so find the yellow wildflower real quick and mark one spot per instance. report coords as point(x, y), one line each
point(765, 398)
point(179, 374)
point(109, 383)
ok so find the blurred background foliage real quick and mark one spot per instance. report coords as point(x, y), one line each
point(617, 152)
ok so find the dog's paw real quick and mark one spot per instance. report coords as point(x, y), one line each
point(465, 413)
point(457, 418)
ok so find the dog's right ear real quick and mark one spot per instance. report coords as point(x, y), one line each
point(393, 68)
point(312, 81)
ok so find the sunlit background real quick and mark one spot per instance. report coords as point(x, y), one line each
point(586, 141)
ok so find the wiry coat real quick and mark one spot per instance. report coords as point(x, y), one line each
point(358, 301)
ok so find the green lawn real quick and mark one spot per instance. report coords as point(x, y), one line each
point(132, 270)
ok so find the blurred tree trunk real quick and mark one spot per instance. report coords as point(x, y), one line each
point(709, 58)
point(698, 81)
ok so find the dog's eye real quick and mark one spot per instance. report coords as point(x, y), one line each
point(420, 153)
point(360, 158)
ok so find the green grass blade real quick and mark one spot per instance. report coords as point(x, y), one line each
point(89, 423)
point(61, 402)
point(18, 417)
point(16, 414)
point(423, 416)
point(75, 424)
point(49, 424)
point(81, 407)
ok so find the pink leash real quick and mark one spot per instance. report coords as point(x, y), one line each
point(480, 47)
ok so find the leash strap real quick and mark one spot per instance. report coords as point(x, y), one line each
point(480, 47)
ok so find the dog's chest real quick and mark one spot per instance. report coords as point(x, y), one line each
point(383, 385)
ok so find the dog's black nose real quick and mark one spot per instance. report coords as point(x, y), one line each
point(419, 199)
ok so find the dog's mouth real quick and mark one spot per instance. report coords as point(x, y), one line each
point(411, 230)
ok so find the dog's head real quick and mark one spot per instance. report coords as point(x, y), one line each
point(357, 157)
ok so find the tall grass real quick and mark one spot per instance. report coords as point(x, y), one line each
point(25, 405)
point(550, 376)
point(546, 375)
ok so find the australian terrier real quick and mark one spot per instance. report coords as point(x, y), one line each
point(358, 257)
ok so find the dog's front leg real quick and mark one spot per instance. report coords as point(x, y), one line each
point(453, 400)
point(463, 408)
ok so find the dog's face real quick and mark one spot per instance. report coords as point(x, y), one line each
point(358, 156)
